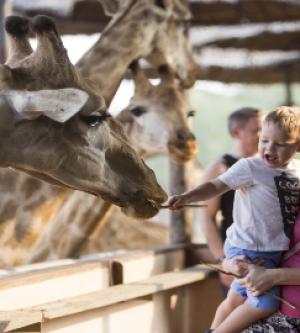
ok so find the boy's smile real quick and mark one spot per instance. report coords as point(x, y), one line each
point(277, 147)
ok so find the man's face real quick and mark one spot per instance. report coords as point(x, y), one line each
point(249, 134)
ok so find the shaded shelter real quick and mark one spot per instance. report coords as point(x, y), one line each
point(246, 41)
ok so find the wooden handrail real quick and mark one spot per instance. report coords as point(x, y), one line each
point(10, 320)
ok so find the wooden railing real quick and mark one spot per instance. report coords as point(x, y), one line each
point(137, 291)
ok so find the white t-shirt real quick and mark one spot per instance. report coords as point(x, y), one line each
point(265, 205)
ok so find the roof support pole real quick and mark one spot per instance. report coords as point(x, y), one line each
point(2, 39)
point(5, 9)
point(179, 219)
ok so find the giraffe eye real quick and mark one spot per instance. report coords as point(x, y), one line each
point(138, 111)
point(191, 113)
point(94, 120)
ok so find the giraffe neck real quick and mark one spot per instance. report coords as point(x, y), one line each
point(106, 62)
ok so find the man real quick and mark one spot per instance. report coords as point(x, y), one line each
point(244, 126)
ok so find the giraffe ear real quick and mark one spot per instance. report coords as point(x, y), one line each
point(59, 105)
point(110, 6)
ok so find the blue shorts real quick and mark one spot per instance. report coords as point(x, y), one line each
point(271, 260)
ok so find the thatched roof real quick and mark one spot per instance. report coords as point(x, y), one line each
point(234, 40)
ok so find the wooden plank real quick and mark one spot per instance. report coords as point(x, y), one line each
point(204, 12)
point(232, 12)
point(42, 286)
point(121, 293)
point(11, 320)
point(35, 267)
point(179, 228)
point(272, 36)
point(132, 316)
point(144, 264)
point(2, 40)
point(241, 66)
point(29, 277)
point(199, 303)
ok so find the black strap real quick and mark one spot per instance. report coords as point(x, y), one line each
point(229, 160)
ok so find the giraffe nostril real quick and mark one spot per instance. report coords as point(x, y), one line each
point(180, 135)
point(184, 135)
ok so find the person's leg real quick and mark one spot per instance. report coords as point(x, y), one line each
point(242, 317)
point(232, 301)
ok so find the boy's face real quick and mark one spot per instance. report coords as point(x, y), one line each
point(276, 147)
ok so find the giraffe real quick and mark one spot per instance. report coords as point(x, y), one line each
point(158, 114)
point(152, 29)
point(83, 152)
point(166, 104)
point(67, 207)
point(168, 101)
point(160, 105)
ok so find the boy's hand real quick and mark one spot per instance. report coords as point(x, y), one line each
point(238, 265)
point(177, 201)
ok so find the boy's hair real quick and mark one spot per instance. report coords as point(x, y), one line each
point(240, 117)
point(286, 118)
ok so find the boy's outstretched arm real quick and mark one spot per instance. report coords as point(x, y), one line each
point(202, 192)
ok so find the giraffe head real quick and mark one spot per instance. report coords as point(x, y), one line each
point(156, 118)
point(159, 30)
point(55, 126)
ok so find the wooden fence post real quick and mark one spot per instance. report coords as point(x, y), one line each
point(5, 10)
point(2, 40)
point(179, 219)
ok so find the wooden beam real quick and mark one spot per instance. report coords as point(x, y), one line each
point(125, 292)
point(243, 66)
point(258, 75)
point(2, 43)
point(16, 319)
point(140, 266)
point(263, 37)
point(76, 9)
point(233, 12)
point(71, 17)
point(73, 27)
point(204, 12)
point(179, 228)
point(249, 67)
point(11, 320)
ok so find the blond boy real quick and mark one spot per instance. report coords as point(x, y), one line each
point(265, 207)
